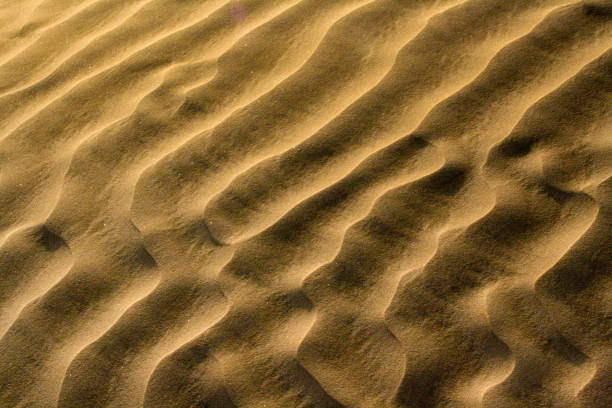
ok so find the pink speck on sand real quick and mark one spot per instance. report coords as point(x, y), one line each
point(239, 13)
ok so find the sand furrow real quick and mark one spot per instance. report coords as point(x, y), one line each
point(498, 266)
point(97, 222)
point(260, 196)
point(575, 292)
point(296, 203)
point(19, 34)
point(136, 31)
point(190, 156)
point(364, 279)
point(31, 262)
point(120, 362)
point(575, 360)
point(26, 137)
point(100, 17)
point(250, 255)
point(35, 361)
point(39, 15)
point(215, 33)
point(120, 126)
point(28, 183)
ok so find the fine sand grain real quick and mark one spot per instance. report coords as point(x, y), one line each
point(305, 203)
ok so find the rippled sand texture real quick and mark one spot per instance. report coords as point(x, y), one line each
point(305, 203)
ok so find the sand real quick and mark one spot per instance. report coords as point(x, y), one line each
point(305, 203)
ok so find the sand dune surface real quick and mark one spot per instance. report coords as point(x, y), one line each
point(305, 203)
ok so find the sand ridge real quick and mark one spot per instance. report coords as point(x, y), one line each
point(295, 203)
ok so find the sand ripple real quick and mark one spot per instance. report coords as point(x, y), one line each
point(296, 203)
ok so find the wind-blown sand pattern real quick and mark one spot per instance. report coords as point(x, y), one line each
point(305, 203)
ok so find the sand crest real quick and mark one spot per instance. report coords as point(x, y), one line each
point(305, 203)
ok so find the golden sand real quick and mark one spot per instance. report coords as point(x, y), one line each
point(305, 203)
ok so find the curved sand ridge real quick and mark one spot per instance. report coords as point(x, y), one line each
point(295, 203)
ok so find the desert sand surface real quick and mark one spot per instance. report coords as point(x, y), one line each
point(305, 203)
